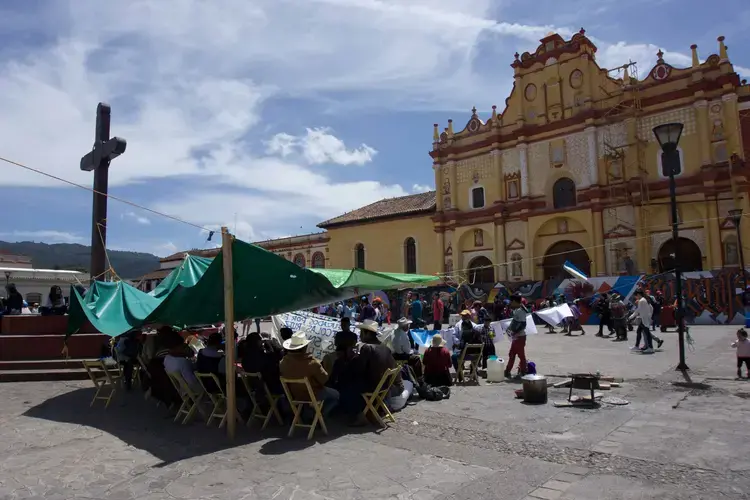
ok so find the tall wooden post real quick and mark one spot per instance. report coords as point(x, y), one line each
point(226, 250)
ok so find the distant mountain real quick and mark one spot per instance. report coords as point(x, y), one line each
point(128, 265)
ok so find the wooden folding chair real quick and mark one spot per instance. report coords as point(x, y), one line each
point(103, 378)
point(253, 382)
point(218, 398)
point(299, 404)
point(191, 401)
point(143, 375)
point(474, 350)
point(375, 400)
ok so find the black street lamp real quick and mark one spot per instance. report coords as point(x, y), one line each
point(668, 136)
point(736, 216)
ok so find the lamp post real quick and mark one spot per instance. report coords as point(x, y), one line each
point(736, 216)
point(7, 278)
point(668, 136)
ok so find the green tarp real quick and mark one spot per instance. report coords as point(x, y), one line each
point(193, 294)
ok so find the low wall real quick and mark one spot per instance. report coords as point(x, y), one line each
point(32, 324)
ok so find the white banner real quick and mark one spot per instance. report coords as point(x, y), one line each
point(500, 327)
point(321, 330)
point(555, 315)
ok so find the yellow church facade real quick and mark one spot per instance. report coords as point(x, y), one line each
point(570, 170)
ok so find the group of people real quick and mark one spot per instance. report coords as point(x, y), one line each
point(14, 303)
point(615, 316)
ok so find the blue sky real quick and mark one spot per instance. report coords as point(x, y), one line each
point(273, 115)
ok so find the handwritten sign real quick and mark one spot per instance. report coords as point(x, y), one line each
point(321, 330)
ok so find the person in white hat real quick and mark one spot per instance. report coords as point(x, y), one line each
point(299, 363)
point(404, 348)
point(437, 363)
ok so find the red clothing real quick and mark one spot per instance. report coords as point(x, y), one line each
point(517, 348)
point(436, 360)
point(437, 310)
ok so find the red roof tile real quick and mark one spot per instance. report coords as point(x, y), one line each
point(390, 207)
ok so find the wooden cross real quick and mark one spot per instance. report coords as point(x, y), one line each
point(104, 151)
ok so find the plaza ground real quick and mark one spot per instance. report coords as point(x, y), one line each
point(676, 439)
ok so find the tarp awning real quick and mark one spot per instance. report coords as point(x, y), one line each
point(193, 294)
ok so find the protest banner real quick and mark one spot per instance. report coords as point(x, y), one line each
point(500, 327)
point(320, 329)
point(555, 315)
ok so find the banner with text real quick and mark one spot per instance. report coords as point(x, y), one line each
point(321, 330)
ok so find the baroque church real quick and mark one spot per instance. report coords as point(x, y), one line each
point(568, 169)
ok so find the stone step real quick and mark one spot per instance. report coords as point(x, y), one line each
point(45, 347)
point(43, 364)
point(43, 375)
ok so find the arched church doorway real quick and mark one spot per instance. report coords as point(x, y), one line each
point(691, 258)
point(561, 251)
point(481, 270)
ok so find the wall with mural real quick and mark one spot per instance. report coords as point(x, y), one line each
point(712, 297)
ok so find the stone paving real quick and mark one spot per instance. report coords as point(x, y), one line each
point(675, 439)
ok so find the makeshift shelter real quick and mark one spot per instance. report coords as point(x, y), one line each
point(193, 294)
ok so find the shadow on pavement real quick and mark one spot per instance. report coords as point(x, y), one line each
point(145, 426)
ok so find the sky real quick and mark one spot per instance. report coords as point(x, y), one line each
point(270, 116)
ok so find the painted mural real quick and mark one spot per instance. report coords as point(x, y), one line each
point(712, 297)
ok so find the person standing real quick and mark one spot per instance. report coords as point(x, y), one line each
point(437, 312)
point(743, 352)
point(657, 304)
point(517, 331)
point(415, 309)
point(643, 312)
point(605, 316)
point(619, 315)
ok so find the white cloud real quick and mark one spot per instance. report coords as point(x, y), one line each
point(420, 188)
point(319, 146)
point(47, 236)
point(166, 249)
point(138, 218)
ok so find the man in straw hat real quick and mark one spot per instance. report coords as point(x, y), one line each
point(465, 332)
point(437, 363)
point(299, 363)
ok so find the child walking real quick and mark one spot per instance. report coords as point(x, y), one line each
point(743, 352)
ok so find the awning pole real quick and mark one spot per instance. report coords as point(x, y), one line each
point(226, 250)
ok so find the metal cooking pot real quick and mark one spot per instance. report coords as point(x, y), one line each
point(534, 389)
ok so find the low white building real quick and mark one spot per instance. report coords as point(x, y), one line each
point(34, 284)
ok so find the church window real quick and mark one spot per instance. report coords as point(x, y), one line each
point(410, 256)
point(318, 260)
point(299, 259)
point(359, 256)
point(564, 193)
point(477, 197)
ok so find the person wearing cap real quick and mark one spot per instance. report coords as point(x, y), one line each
point(437, 363)
point(299, 363)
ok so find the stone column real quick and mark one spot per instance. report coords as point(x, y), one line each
point(454, 187)
point(701, 118)
point(497, 166)
point(711, 230)
point(732, 124)
point(500, 255)
point(439, 173)
point(441, 250)
point(642, 252)
point(523, 150)
point(593, 163)
point(599, 261)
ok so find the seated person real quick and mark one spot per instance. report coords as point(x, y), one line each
point(179, 360)
point(465, 332)
point(263, 356)
point(344, 343)
point(437, 363)
point(211, 358)
point(403, 347)
point(54, 302)
point(297, 364)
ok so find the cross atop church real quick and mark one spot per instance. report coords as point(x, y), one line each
point(105, 150)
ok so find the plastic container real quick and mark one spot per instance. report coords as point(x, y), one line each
point(495, 369)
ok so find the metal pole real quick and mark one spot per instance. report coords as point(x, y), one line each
point(677, 271)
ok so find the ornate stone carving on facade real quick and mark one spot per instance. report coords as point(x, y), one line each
point(578, 159)
point(614, 136)
point(474, 169)
point(618, 217)
point(449, 265)
point(449, 249)
point(446, 186)
point(538, 166)
point(510, 161)
point(684, 115)
point(447, 202)
point(478, 238)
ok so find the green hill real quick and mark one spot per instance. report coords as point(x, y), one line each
point(129, 265)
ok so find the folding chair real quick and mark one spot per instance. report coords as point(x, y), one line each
point(476, 353)
point(252, 383)
point(375, 400)
point(299, 404)
point(219, 399)
point(102, 377)
point(191, 401)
